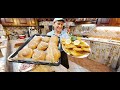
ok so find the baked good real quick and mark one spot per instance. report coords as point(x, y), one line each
point(42, 46)
point(37, 38)
point(25, 53)
point(46, 39)
point(52, 44)
point(54, 39)
point(34, 42)
point(38, 55)
point(53, 54)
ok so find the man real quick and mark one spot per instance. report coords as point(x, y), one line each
point(58, 24)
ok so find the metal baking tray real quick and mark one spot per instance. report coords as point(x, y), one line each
point(31, 61)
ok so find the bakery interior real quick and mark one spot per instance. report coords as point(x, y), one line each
point(101, 34)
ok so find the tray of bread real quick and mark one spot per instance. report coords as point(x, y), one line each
point(38, 49)
point(75, 47)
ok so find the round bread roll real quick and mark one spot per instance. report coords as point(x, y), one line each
point(34, 42)
point(25, 53)
point(42, 46)
point(46, 39)
point(37, 38)
point(38, 55)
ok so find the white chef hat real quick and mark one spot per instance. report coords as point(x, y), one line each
point(58, 19)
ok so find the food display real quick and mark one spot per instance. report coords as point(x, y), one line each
point(76, 47)
point(38, 49)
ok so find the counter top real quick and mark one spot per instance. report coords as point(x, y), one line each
point(109, 41)
point(104, 51)
point(45, 68)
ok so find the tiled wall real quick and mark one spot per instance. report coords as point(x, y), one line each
point(107, 32)
point(13, 32)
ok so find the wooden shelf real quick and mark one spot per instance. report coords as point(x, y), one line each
point(19, 22)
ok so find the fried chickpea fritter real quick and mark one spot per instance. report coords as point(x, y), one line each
point(70, 46)
point(78, 49)
point(86, 49)
point(75, 53)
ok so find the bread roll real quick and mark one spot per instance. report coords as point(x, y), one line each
point(34, 42)
point(37, 38)
point(42, 46)
point(25, 53)
point(46, 39)
point(39, 55)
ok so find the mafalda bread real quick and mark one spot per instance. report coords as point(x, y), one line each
point(52, 52)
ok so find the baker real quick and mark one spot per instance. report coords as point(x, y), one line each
point(58, 28)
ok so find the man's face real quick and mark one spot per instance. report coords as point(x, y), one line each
point(58, 25)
